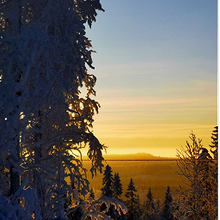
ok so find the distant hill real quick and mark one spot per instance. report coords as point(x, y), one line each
point(137, 156)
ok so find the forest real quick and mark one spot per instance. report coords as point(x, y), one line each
point(46, 120)
point(196, 197)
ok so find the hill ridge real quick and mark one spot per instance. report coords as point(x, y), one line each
point(135, 156)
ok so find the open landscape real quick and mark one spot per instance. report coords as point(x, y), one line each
point(144, 113)
point(154, 174)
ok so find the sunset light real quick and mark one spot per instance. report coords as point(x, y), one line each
point(156, 75)
point(108, 110)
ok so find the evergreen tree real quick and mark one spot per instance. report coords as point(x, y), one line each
point(157, 208)
point(214, 144)
point(150, 202)
point(132, 202)
point(139, 209)
point(195, 165)
point(167, 209)
point(108, 191)
point(149, 206)
point(189, 170)
point(214, 150)
point(44, 55)
point(207, 183)
point(117, 186)
point(117, 192)
point(107, 182)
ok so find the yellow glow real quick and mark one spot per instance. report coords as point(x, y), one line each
point(159, 130)
point(22, 115)
point(155, 126)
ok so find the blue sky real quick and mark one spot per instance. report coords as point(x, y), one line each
point(156, 69)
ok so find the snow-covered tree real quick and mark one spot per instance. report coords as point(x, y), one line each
point(107, 182)
point(111, 204)
point(92, 194)
point(22, 205)
point(5, 180)
point(132, 202)
point(107, 190)
point(167, 212)
point(11, 100)
point(44, 119)
point(207, 183)
point(197, 200)
point(189, 169)
point(117, 186)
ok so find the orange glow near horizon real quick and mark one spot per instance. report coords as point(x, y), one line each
point(160, 135)
point(162, 145)
point(156, 77)
point(134, 121)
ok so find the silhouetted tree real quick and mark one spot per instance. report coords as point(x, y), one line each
point(149, 206)
point(214, 150)
point(107, 182)
point(139, 209)
point(132, 202)
point(44, 56)
point(117, 186)
point(208, 183)
point(157, 209)
point(167, 212)
point(214, 144)
point(107, 190)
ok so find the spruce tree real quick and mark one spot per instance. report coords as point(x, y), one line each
point(139, 210)
point(108, 191)
point(199, 201)
point(167, 209)
point(107, 182)
point(150, 202)
point(149, 207)
point(44, 56)
point(132, 202)
point(214, 150)
point(117, 186)
point(214, 144)
point(157, 207)
point(207, 183)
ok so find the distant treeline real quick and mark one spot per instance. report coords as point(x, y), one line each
point(198, 199)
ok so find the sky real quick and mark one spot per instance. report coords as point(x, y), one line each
point(156, 69)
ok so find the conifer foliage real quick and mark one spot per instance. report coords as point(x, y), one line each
point(44, 55)
point(167, 212)
point(150, 202)
point(117, 186)
point(132, 202)
point(149, 206)
point(214, 144)
point(196, 167)
point(107, 182)
point(214, 167)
